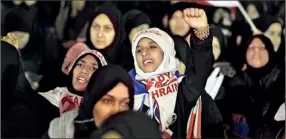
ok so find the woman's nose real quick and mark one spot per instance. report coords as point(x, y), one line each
point(100, 33)
point(145, 52)
point(115, 109)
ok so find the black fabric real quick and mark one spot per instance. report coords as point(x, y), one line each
point(257, 73)
point(48, 12)
point(70, 75)
point(217, 32)
point(18, 19)
point(82, 18)
point(126, 124)
point(192, 86)
point(257, 93)
point(235, 52)
point(259, 5)
point(263, 23)
point(131, 19)
point(111, 52)
point(19, 123)
point(182, 48)
point(134, 18)
point(102, 81)
point(74, 25)
point(52, 56)
point(10, 70)
point(31, 113)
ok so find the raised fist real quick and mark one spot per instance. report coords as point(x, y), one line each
point(196, 18)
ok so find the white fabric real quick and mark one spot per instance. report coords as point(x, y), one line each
point(63, 127)
point(224, 3)
point(63, 99)
point(166, 94)
point(280, 115)
point(214, 83)
point(93, 52)
point(169, 64)
point(166, 102)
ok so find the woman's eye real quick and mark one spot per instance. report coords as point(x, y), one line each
point(107, 29)
point(80, 64)
point(95, 26)
point(107, 101)
point(138, 51)
point(153, 46)
point(125, 104)
point(94, 68)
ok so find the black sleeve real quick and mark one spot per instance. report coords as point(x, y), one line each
point(193, 84)
point(53, 57)
point(237, 96)
point(45, 136)
point(198, 68)
point(10, 67)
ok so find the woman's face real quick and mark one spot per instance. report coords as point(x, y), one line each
point(83, 71)
point(102, 32)
point(149, 55)
point(274, 34)
point(116, 100)
point(252, 11)
point(216, 48)
point(137, 29)
point(178, 25)
point(257, 56)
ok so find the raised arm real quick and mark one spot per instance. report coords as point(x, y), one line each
point(200, 55)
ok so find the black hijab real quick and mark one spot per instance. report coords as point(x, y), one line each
point(130, 125)
point(263, 23)
point(134, 18)
point(10, 71)
point(48, 12)
point(110, 52)
point(257, 74)
point(70, 75)
point(259, 5)
point(131, 19)
point(217, 32)
point(18, 19)
point(101, 81)
point(181, 48)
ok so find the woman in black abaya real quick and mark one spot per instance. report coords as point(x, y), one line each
point(256, 94)
point(105, 32)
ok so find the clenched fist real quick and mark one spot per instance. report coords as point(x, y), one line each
point(196, 18)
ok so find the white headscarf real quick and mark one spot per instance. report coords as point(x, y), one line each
point(169, 63)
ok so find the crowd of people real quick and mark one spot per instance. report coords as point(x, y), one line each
point(160, 69)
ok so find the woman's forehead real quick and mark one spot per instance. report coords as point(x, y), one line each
point(102, 19)
point(88, 59)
